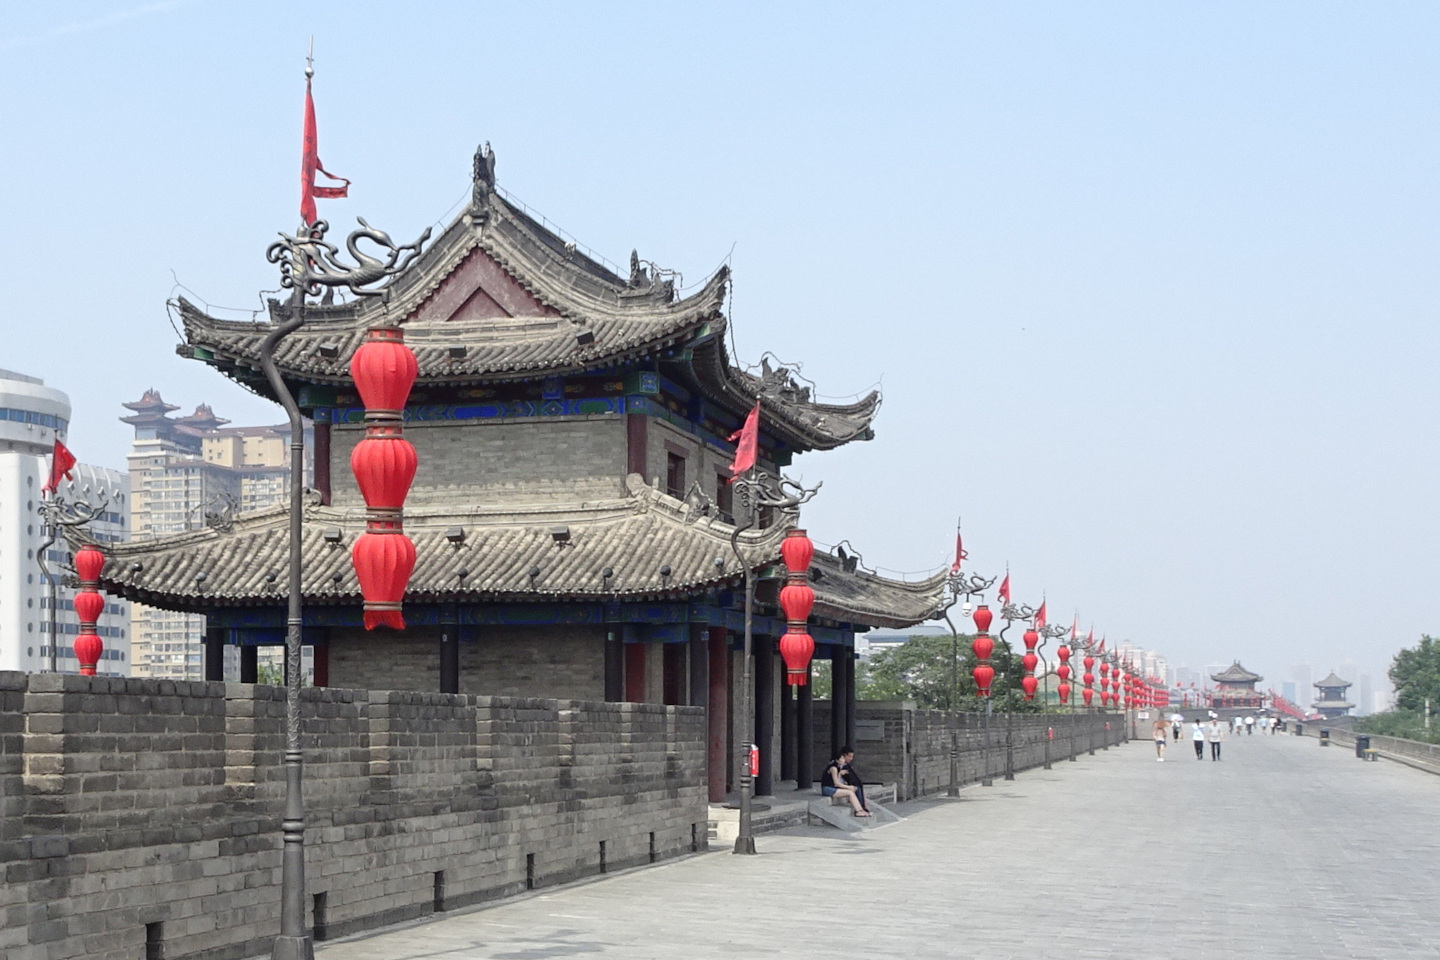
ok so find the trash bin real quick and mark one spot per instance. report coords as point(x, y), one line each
point(1362, 743)
point(1324, 737)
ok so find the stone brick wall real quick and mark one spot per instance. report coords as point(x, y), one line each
point(563, 660)
point(897, 743)
point(489, 462)
point(138, 809)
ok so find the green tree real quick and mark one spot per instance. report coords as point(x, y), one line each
point(1415, 672)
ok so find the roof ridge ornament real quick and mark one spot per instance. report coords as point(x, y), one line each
point(483, 173)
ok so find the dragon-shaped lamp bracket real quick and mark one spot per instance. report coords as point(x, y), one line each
point(309, 263)
point(58, 514)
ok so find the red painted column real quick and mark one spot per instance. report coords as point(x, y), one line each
point(322, 461)
point(716, 712)
point(635, 672)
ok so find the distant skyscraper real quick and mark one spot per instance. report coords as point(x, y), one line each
point(32, 417)
point(1288, 691)
point(187, 473)
point(1304, 676)
point(1367, 696)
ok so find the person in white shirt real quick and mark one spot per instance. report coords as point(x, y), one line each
point(1197, 734)
point(1215, 733)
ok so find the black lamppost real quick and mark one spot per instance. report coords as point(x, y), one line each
point(958, 585)
point(756, 491)
point(308, 265)
point(60, 514)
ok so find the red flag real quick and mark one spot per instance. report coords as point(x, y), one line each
point(1074, 623)
point(310, 164)
point(1040, 619)
point(749, 437)
point(60, 465)
point(959, 550)
point(1102, 641)
point(1005, 587)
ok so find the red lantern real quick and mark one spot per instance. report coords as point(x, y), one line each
point(797, 551)
point(1089, 662)
point(1028, 684)
point(1064, 690)
point(982, 647)
point(797, 599)
point(1031, 638)
point(384, 463)
point(383, 564)
point(983, 618)
point(1064, 671)
point(1030, 661)
point(89, 604)
point(984, 674)
point(796, 649)
point(384, 467)
point(384, 370)
point(1088, 695)
point(1088, 678)
point(1063, 653)
point(1104, 669)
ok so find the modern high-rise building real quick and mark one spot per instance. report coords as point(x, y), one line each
point(1367, 696)
point(32, 417)
point(189, 473)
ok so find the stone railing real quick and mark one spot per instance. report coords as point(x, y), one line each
point(901, 744)
point(1417, 753)
point(142, 817)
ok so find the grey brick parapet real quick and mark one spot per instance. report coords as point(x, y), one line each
point(152, 807)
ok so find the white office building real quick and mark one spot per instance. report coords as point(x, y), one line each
point(32, 417)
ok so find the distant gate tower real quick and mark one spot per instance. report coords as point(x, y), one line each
point(1235, 689)
point(1331, 701)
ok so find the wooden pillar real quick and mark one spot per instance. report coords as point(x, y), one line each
point(322, 461)
point(849, 662)
point(718, 715)
point(614, 664)
point(765, 714)
point(249, 663)
point(787, 731)
point(676, 675)
point(636, 435)
point(699, 654)
point(214, 652)
point(837, 701)
point(635, 672)
point(805, 735)
point(450, 655)
point(322, 660)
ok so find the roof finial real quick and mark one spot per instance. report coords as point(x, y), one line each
point(310, 59)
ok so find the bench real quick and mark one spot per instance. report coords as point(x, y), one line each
point(1370, 753)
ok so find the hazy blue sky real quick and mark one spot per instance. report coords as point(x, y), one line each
point(1150, 288)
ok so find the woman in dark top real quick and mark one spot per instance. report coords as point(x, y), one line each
point(833, 782)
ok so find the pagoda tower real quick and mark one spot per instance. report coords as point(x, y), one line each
point(1330, 702)
point(1235, 689)
point(572, 513)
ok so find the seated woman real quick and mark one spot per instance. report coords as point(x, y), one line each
point(832, 782)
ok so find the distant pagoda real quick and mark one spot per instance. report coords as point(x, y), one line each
point(1331, 703)
point(1235, 689)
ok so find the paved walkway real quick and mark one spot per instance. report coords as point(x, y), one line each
point(1283, 849)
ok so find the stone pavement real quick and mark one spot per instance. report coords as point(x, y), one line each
point(1283, 849)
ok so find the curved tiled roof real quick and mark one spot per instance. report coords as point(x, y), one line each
point(637, 538)
point(852, 595)
point(1235, 674)
point(1333, 681)
point(582, 318)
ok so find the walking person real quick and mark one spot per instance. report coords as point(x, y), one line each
point(1159, 734)
point(1215, 733)
point(1197, 735)
point(1175, 722)
point(1250, 726)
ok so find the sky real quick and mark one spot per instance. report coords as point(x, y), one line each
point(1150, 289)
